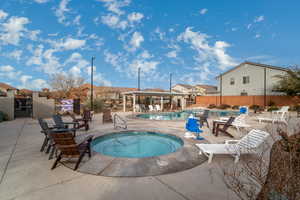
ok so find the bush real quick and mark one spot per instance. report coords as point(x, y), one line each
point(235, 107)
point(224, 106)
point(254, 107)
point(98, 105)
point(3, 116)
point(271, 103)
point(295, 108)
point(272, 108)
point(211, 106)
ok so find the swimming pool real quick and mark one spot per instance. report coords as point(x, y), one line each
point(183, 115)
point(136, 144)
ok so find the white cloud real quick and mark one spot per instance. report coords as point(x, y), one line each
point(146, 66)
point(78, 63)
point(135, 17)
point(259, 19)
point(172, 54)
point(28, 83)
point(37, 57)
point(41, 1)
point(100, 80)
point(16, 54)
point(160, 34)
point(70, 44)
point(257, 35)
point(61, 11)
point(249, 26)
point(76, 21)
point(6, 68)
point(33, 35)
point(3, 14)
point(13, 30)
point(9, 72)
point(113, 21)
point(203, 11)
point(135, 41)
point(115, 5)
point(206, 54)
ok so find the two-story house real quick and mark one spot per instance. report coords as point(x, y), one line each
point(249, 79)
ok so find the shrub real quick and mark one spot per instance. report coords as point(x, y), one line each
point(211, 106)
point(3, 116)
point(295, 108)
point(254, 107)
point(235, 107)
point(272, 108)
point(98, 105)
point(271, 103)
point(224, 106)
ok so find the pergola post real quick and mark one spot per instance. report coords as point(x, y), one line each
point(162, 103)
point(182, 102)
point(124, 103)
point(134, 97)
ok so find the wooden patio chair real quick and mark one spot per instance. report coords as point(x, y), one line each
point(48, 142)
point(223, 127)
point(60, 124)
point(68, 148)
point(203, 118)
point(107, 118)
point(80, 122)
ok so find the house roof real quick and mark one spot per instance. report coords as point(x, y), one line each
point(7, 87)
point(185, 86)
point(255, 64)
point(154, 90)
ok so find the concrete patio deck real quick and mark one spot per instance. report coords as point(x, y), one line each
point(25, 171)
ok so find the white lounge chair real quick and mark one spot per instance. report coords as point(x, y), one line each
point(157, 107)
point(239, 122)
point(275, 118)
point(283, 109)
point(151, 108)
point(249, 144)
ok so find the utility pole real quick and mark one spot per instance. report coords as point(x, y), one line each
point(171, 105)
point(139, 83)
point(92, 83)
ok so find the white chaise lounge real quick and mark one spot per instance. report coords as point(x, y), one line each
point(239, 122)
point(249, 144)
point(275, 118)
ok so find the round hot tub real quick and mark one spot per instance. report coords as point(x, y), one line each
point(136, 144)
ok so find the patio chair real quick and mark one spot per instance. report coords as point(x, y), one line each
point(107, 118)
point(151, 109)
point(283, 109)
point(279, 118)
point(203, 118)
point(60, 124)
point(48, 142)
point(249, 144)
point(244, 110)
point(221, 126)
point(157, 107)
point(239, 122)
point(68, 148)
point(80, 122)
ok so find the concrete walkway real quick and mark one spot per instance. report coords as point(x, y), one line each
point(25, 172)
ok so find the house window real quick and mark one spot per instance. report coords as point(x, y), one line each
point(231, 81)
point(246, 79)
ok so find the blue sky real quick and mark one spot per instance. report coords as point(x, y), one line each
point(194, 40)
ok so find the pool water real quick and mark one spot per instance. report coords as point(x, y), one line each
point(136, 144)
point(183, 115)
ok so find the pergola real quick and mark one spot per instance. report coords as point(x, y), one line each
point(150, 94)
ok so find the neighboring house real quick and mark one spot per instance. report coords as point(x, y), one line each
point(197, 90)
point(4, 88)
point(249, 78)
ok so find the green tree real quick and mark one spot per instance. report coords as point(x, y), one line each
point(290, 82)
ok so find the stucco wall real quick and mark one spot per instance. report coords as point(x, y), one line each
point(256, 84)
point(42, 107)
point(246, 100)
point(7, 105)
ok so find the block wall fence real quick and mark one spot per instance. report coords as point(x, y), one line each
point(246, 100)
